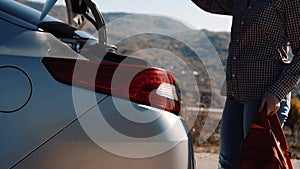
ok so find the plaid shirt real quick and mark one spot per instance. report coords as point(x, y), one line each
point(260, 32)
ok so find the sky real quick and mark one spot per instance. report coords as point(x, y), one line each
point(183, 10)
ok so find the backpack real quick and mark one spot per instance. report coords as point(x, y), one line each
point(264, 148)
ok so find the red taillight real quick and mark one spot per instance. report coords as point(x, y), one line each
point(141, 84)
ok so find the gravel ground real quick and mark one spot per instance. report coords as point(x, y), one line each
point(210, 161)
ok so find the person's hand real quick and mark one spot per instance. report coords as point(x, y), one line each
point(270, 103)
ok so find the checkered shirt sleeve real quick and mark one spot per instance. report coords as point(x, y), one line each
point(290, 76)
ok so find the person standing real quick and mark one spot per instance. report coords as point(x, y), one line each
point(259, 75)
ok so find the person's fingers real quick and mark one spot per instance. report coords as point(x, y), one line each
point(270, 104)
point(273, 110)
point(262, 105)
point(269, 109)
point(271, 113)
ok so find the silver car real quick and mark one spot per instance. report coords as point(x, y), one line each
point(68, 100)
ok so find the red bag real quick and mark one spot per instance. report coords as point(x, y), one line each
point(263, 148)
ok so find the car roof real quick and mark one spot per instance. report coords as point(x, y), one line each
point(21, 14)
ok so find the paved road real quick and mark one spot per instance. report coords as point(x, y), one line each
point(210, 161)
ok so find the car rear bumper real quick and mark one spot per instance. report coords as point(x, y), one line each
point(102, 139)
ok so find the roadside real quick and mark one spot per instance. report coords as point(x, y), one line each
point(210, 161)
point(206, 160)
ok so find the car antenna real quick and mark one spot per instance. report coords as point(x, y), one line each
point(47, 7)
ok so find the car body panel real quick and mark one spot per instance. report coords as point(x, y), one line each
point(43, 112)
point(35, 124)
point(22, 15)
point(74, 148)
